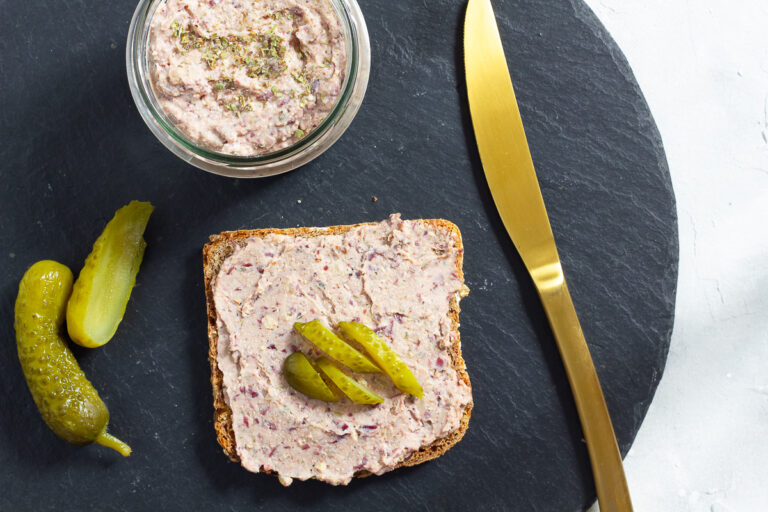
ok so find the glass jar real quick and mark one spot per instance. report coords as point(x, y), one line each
point(283, 160)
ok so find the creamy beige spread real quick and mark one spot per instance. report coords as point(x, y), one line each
point(247, 77)
point(395, 276)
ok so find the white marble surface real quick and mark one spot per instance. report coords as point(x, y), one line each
point(703, 67)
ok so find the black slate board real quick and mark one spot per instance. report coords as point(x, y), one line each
point(74, 149)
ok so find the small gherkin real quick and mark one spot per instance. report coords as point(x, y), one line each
point(67, 400)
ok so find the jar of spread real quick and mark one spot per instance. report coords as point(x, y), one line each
point(248, 88)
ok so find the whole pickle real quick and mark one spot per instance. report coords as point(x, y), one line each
point(67, 401)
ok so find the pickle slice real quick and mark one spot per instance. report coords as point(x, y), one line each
point(303, 377)
point(385, 357)
point(335, 347)
point(101, 292)
point(66, 399)
point(347, 384)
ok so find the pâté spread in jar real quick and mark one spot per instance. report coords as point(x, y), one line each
point(246, 77)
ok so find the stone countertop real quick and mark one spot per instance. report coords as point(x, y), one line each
point(703, 67)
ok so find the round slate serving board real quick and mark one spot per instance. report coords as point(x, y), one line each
point(74, 149)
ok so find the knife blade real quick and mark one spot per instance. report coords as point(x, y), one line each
point(512, 179)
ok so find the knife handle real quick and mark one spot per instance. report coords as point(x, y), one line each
point(607, 469)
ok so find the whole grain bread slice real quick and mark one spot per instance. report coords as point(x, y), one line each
point(221, 246)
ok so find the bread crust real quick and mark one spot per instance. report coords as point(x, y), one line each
point(221, 246)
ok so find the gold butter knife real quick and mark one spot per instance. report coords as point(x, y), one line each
point(512, 179)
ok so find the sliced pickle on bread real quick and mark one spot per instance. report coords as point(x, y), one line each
point(304, 378)
point(349, 386)
point(334, 347)
point(384, 356)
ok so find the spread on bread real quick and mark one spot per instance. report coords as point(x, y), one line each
point(402, 278)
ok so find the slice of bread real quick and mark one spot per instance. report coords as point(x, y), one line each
point(221, 246)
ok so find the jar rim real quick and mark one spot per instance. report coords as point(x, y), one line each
point(285, 159)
